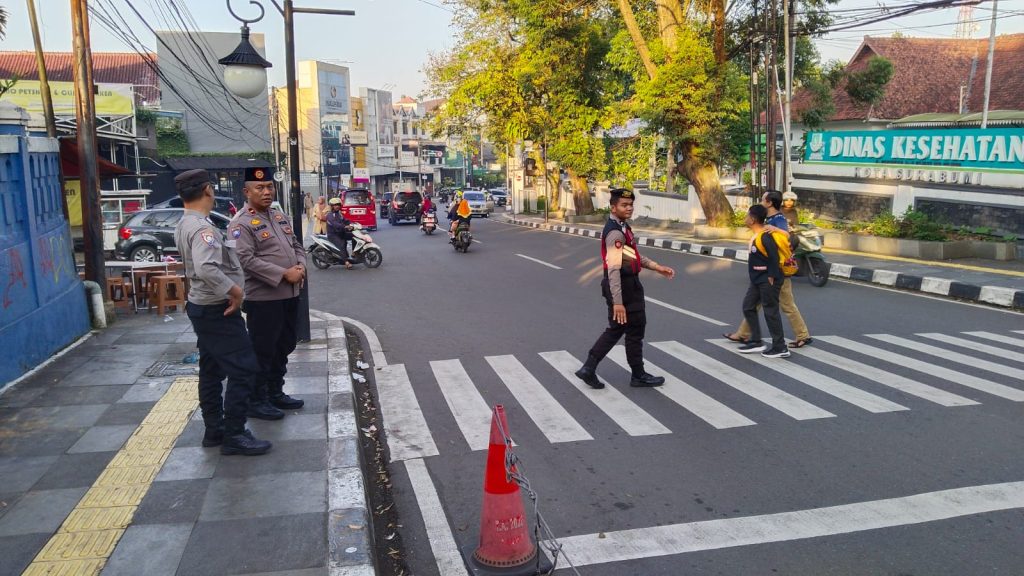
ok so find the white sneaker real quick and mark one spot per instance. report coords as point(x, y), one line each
point(752, 347)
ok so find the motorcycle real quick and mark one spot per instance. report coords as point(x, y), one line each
point(807, 253)
point(324, 253)
point(462, 238)
point(429, 222)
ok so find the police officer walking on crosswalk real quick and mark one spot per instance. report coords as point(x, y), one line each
point(274, 262)
point(214, 298)
point(624, 295)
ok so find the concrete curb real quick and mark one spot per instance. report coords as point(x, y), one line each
point(349, 533)
point(992, 295)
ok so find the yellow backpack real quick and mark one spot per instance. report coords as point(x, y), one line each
point(786, 261)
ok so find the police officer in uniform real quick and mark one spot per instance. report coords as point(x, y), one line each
point(274, 262)
point(624, 295)
point(214, 298)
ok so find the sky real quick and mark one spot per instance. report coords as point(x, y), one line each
point(388, 41)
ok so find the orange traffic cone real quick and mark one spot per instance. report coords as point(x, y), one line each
point(506, 547)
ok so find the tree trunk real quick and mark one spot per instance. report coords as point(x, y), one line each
point(705, 180)
point(581, 199)
point(554, 179)
point(718, 25)
point(638, 38)
point(670, 20)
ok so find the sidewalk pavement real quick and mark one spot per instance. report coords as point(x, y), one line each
point(101, 467)
point(998, 283)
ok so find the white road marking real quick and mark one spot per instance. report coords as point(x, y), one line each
point(686, 312)
point(928, 368)
point(376, 351)
point(541, 262)
point(951, 356)
point(589, 549)
point(972, 345)
point(770, 395)
point(894, 381)
point(477, 241)
point(998, 338)
point(831, 386)
point(698, 403)
point(439, 533)
point(407, 432)
point(471, 412)
point(630, 417)
point(553, 420)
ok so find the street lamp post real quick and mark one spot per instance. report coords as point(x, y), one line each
point(244, 69)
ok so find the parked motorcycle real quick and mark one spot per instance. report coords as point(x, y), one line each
point(429, 222)
point(462, 238)
point(324, 253)
point(807, 253)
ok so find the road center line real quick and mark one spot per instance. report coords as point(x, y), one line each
point(589, 549)
point(686, 312)
point(541, 262)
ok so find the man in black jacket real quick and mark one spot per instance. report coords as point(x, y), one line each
point(766, 280)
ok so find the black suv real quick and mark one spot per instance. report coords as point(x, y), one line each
point(385, 205)
point(405, 206)
point(223, 204)
point(147, 233)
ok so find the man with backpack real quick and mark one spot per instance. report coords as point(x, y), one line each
point(776, 222)
point(766, 280)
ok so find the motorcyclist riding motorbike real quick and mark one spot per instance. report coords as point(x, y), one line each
point(460, 213)
point(339, 229)
point(789, 208)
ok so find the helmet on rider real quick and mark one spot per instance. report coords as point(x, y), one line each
point(789, 196)
point(334, 202)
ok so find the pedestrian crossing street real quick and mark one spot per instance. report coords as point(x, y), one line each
point(874, 373)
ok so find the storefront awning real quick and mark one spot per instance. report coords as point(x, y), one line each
point(69, 162)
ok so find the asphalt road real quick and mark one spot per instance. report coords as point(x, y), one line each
point(874, 451)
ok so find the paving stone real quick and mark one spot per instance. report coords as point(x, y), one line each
point(294, 456)
point(133, 337)
point(148, 390)
point(102, 439)
point(45, 442)
point(264, 496)
point(20, 474)
point(192, 435)
point(299, 385)
point(308, 356)
point(350, 537)
point(122, 350)
point(343, 452)
point(173, 502)
point(295, 426)
point(189, 463)
point(7, 500)
point(277, 544)
point(307, 368)
point(40, 511)
point(153, 550)
point(21, 395)
point(79, 395)
point(74, 471)
point(322, 571)
point(17, 552)
point(315, 404)
point(105, 371)
point(37, 418)
point(125, 413)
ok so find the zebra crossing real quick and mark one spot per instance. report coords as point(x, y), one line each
point(872, 373)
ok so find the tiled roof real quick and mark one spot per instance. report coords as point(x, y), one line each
point(928, 74)
point(108, 68)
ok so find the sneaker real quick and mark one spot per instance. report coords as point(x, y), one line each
point(776, 353)
point(646, 380)
point(753, 347)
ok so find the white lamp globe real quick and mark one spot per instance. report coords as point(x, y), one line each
point(245, 81)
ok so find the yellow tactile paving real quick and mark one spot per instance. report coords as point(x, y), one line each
point(92, 530)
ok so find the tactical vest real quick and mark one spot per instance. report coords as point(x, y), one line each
point(630, 251)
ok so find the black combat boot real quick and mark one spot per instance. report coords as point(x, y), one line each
point(213, 436)
point(279, 399)
point(588, 373)
point(262, 410)
point(244, 443)
point(645, 380)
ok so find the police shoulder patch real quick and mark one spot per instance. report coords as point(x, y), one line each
point(618, 244)
point(236, 232)
point(208, 237)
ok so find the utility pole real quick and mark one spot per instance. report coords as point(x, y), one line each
point(789, 15)
point(44, 84)
point(988, 71)
point(419, 165)
point(85, 112)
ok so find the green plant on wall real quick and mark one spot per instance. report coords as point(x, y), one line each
point(171, 139)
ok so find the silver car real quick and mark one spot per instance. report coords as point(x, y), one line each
point(479, 203)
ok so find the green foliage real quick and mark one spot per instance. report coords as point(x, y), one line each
point(919, 226)
point(6, 85)
point(171, 139)
point(885, 225)
point(145, 116)
point(822, 106)
point(867, 87)
point(628, 159)
point(541, 203)
point(739, 219)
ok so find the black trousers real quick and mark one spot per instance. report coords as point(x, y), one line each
point(341, 242)
point(224, 351)
point(633, 330)
point(767, 296)
point(272, 331)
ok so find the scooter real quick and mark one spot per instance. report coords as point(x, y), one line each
point(429, 222)
point(462, 238)
point(808, 254)
point(324, 253)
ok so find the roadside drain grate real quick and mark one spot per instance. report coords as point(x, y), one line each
point(172, 369)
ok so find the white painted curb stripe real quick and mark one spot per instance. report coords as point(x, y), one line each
point(972, 345)
point(998, 338)
point(857, 397)
point(841, 270)
point(553, 420)
point(408, 435)
point(782, 401)
point(630, 417)
point(935, 285)
point(884, 277)
point(997, 295)
point(686, 312)
point(439, 533)
point(541, 262)
point(698, 403)
point(471, 412)
point(718, 251)
point(589, 549)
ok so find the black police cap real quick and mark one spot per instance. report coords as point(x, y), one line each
point(617, 193)
point(261, 174)
point(191, 180)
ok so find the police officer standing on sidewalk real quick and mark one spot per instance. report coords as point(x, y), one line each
point(214, 297)
point(274, 262)
point(624, 295)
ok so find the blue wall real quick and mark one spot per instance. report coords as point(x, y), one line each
point(42, 301)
